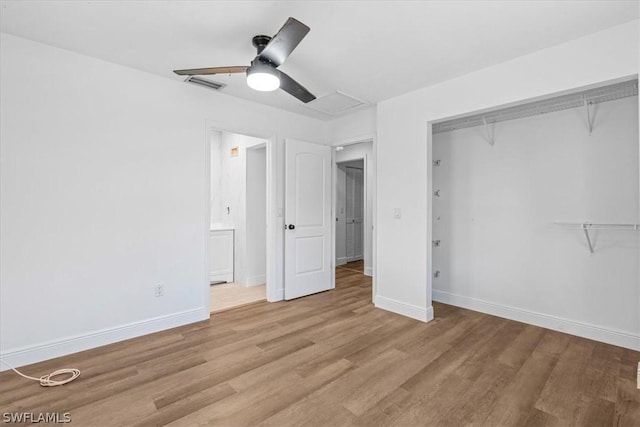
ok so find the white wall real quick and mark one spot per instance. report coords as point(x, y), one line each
point(364, 150)
point(353, 126)
point(217, 215)
point(256, 240)
point(104, 194)
point(496, 211)
point(403, 147)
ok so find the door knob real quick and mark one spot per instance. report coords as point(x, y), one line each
point(292, 227)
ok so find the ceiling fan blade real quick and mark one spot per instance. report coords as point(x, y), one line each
point(283, 43)
point(294, 88)
point(212, 70)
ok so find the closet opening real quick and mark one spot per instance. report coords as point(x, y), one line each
point(534, 212)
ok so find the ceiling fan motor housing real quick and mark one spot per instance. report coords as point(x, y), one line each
point(260, 42)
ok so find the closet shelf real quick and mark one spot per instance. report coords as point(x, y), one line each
point(585, 99)
point(586, 226)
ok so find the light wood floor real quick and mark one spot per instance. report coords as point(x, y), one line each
point(354, 265)
point(332, 359)
point(229, 295)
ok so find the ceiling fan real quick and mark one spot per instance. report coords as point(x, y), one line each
point(263, 74)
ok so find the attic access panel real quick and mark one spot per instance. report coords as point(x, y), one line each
point(557, 103)
point(336, 103)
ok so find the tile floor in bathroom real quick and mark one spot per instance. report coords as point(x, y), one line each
point(228, 295)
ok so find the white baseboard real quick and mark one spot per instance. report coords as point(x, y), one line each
point(368, 271)
point(49, 350)
point(409, 310)
point(341, 260)
point(585, 330)
point(255, 280)
point(276, 295)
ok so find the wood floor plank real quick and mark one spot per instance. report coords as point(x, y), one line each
point(342, 349)
point(446, 362)
point(566, 381)
point(593, 412)
point(183, 407)
point(333, 359)
point(539, 418)
point(369, 383)
point(553, 343)
point(269, 371)
point(627, 410)
point(518, 398)
point(522, 346)
point(480, 399)
point(311, 412)
point(381, 414)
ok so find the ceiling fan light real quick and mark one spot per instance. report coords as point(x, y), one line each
point(263, 78)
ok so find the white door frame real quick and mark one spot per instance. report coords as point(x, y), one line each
point(274, 257)
point(368, 163)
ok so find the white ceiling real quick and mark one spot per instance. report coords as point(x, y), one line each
point(372, 50)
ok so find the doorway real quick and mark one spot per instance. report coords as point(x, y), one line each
point(350, 212)
point(353, 195)
point(238, 219)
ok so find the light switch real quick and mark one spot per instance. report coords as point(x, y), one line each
point(397, 213)
point(280, 213)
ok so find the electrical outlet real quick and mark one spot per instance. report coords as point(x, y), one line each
point(159, 290)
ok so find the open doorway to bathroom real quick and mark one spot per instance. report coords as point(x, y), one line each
point(238, 232)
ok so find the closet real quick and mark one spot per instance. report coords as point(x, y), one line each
point(535, 211)
point(354, 213)
point(350, 211)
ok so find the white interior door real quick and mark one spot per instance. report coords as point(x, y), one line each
point(354, 213)
point(307, 264)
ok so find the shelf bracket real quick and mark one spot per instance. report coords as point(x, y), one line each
point(490, 131)
point(586, 234)
point(589, 117)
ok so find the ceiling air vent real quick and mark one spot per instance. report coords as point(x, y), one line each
point(201, 81)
